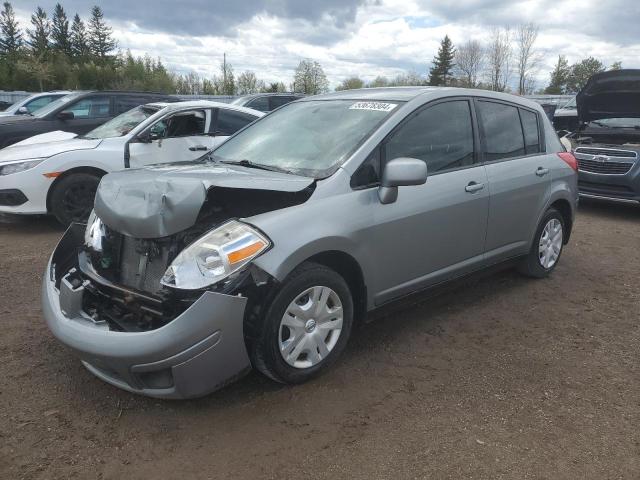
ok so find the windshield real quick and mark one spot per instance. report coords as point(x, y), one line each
point(308, 138)
point(617, 122)
point(122, 124)
point(47, 109)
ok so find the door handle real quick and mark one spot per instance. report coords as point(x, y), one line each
point(541, 171)
point(473, 187)
point(198, 148)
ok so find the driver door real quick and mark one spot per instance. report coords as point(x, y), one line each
point(179, 137)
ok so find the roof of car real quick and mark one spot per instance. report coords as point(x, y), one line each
point(405, 94)
point(204, 104)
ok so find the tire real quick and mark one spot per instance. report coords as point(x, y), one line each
point(536, 264)
point(72, 197)
point(300, 335)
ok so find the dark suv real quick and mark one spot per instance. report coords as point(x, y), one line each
point(265, 102)
point(608, 140)
point(78, 112)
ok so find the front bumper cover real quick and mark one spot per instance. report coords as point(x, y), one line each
point(197, 353)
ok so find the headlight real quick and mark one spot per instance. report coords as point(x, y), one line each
point(19, 167)
point(94, 233)
point(215, 256)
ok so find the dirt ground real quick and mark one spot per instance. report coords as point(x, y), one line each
point(503, 377)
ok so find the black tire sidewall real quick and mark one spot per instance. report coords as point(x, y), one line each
point(309, 277)
point(60, 189)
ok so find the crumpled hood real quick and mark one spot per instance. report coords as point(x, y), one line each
point(614, 94)
point(163, 200)
point(45, 149)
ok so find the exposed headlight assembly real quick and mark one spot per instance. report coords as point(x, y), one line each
point(9, 168)
point(94, 233)
point(215, 256)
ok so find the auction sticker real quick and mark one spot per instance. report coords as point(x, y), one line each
point(376, 106)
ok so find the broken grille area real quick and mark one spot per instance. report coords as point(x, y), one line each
point(142, 264)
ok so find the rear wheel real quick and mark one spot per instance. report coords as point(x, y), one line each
point(547, 246)
point(72, 197)
point(306, 327)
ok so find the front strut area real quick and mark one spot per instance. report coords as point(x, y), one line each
point(199, 350)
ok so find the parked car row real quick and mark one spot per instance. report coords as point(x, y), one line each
point(263, 252)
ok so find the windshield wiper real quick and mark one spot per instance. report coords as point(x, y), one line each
point(260, 166)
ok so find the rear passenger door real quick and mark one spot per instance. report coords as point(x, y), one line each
point(518, 173)
point(434, 231)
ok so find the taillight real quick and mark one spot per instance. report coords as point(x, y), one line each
point(569, 159)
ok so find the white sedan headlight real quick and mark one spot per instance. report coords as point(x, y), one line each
point(215, 256)
point(9, 168)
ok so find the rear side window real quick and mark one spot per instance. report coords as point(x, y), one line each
point(441, 135)
point(260, 103)
point(229, 121)
point(125, 103)
point(502, 130)
point(531, 131)
point(279, 101)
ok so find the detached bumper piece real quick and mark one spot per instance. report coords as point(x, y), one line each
point(198, 352)
point(12, 198)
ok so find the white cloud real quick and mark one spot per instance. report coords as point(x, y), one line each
point(369, 38)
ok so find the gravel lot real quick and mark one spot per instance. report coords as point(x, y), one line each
point(503, 377)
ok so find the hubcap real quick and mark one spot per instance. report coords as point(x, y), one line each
point(550, 243)
point(310, 327)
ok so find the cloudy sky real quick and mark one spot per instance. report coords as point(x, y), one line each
point(353, 37)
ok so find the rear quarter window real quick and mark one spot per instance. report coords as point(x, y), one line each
point(531, 131)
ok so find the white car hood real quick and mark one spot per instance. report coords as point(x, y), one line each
point(47, 137)
point(45, 149)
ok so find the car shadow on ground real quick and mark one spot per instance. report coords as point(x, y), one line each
point(610, 209)
point(29, 224)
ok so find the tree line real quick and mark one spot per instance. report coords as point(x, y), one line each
point(55, 53)
point(58, 53)
point(508, 61)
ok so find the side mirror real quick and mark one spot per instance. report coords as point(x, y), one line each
point(65, 115)
point(400, 172)
point(22, 111)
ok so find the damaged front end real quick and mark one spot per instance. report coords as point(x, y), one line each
point(159, 306)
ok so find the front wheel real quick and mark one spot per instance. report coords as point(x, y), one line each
point(306, 327)
point(72, 197)
point(547, 246)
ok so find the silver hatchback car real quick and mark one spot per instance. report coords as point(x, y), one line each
point(266, 251)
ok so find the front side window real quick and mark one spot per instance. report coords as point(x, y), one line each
point(230, 121)
point(279, 101)
point(502, 131)
point(531, 131)
point(122, 124)
point(440, 135)
point(183, 124)
point(38, 103)
point(311, 138)
point(92, 107)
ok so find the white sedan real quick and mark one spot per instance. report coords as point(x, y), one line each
point(59, 172)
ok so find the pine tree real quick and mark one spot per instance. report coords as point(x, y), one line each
point(10, 34)
point(79, 44)
point(442, 70)
point(60, 31)
point(39, 36)
point(559, 77)
point(101, 42)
